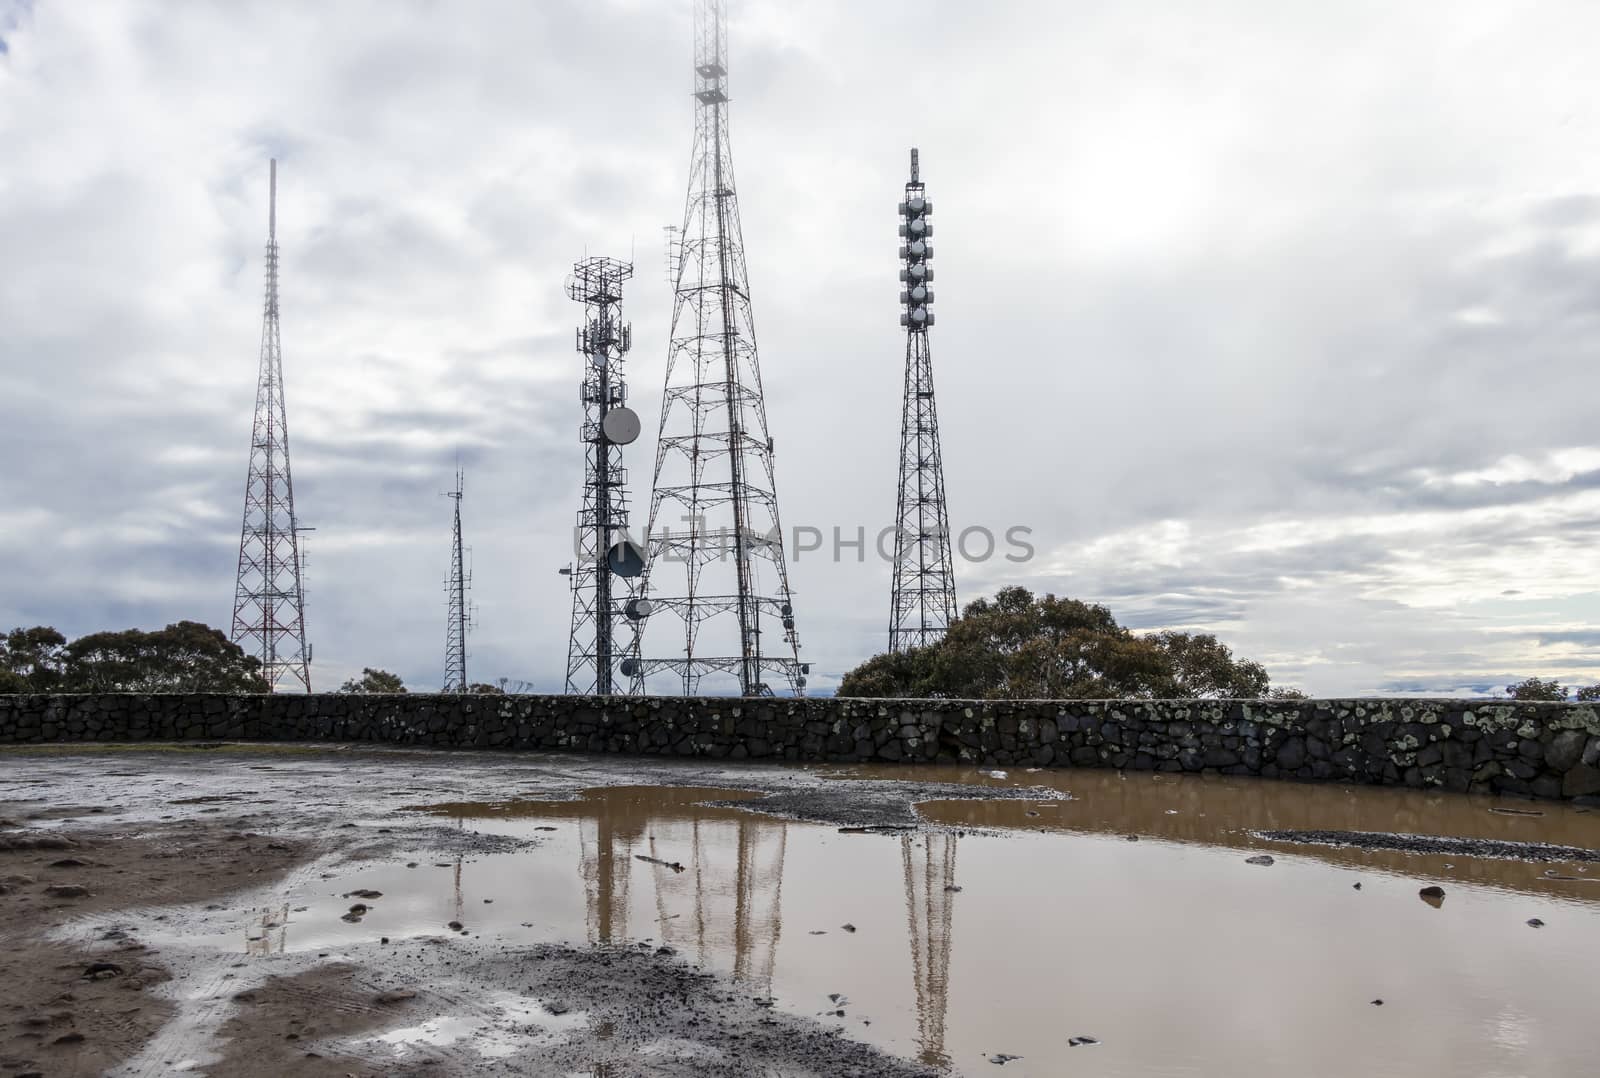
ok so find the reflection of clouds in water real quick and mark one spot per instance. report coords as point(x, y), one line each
point(1512, 1030)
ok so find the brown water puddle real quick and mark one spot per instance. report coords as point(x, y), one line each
point(1220, 811)
point(1173, 953)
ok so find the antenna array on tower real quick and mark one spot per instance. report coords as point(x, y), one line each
point(607, 560)
point(269, 601)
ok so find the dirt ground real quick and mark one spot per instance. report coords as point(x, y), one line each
point(79, 1008)
point(81, 994)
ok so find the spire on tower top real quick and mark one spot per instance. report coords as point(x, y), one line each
point(272, 205)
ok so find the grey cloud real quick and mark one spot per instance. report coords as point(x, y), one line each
point(1164, 297)
point(1585, 637)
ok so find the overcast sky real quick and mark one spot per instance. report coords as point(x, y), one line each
point(1275, 320)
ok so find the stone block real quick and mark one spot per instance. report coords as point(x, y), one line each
point(1566, 750)
point(1581, 781)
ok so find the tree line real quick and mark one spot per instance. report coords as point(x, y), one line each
point(1551, 689)
point(1020, 647)
point(1015, 646)
point(186, 656)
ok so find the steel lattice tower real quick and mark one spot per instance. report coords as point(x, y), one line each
point(923, 601)
point(269, 602)
point(714, 526)
point(603, 576)
point(456, 587)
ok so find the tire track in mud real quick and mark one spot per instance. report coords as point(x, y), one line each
point(156, 903)
point(180, 1046)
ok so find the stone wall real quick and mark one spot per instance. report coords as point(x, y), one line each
point(1542, 750)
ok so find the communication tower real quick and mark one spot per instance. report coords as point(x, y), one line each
point(715, 572)
point(923, 599)
point(608, 561)
point(268, 600)
point(456, 588)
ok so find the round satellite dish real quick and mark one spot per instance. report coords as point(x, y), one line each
point(621, 426)
point(598, 359)
point(626, 558)
point(786, 610)
point(638, 608)
point(916, 205)
point(627, 667)
point(919, 294)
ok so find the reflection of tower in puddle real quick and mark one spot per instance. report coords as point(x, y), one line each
point(268, 934)
point(461, 825)
point(930, 873)
point(716, 874)
point(605, 880)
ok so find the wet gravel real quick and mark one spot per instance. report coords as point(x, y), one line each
point(1460, 847)
point(876, 804)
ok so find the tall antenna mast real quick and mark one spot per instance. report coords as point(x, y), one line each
point(715, 542)
point(268, 600)
point(607, 560)
point(923, 599)
point(456, 587)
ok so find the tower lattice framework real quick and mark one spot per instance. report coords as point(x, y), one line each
point(269, 600)
point(597, 653)
point(929, 863)
point(715, 569)
point(923, 599)
point(456, 587)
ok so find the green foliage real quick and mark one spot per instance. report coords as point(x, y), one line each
point(374, 681)
point(1017, 647)
point(1204, 667)
point(33, 658)
point(1537, 689)
point(1589, 692)
point(895, 673)
point(184, 657)
point(483, 688)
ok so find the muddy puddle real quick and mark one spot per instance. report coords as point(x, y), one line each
point(1034, 937)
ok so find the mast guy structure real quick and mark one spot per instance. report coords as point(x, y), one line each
point(460, 580)
point(607, 560)
point(714, 499)
point(923, 599)
point(268, 600)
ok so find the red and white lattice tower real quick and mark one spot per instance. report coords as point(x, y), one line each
point(269, 602)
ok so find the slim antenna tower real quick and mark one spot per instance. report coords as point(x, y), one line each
point(923, 602)
point(716, 564)
point(456, 588)
point(608, 562)
point(268, 600)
